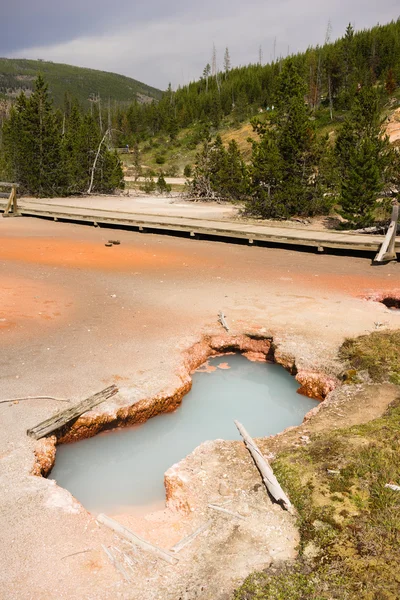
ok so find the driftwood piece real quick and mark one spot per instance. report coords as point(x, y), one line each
point(368, 230)
point(265, 469)
point(135, 539)
point(226, 511)
point(189, 538)
point(65, 416)
point(116, 563)
point(221, 319)
point(34, 398)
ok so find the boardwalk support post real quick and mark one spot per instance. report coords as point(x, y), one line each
point(11, 210)
point(387, 251)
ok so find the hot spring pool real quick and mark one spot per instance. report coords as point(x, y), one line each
point(123, 470)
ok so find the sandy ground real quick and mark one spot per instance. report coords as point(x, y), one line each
point(76, 316)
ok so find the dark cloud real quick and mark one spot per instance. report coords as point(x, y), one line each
point(158, 41)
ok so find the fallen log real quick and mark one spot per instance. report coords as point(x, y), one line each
point(221, 319)
point(189, 538)
point(269, 479)
point(135, 539)
point(65, 416)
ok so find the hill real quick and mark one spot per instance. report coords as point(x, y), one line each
point(18, 75)
point(170, 133)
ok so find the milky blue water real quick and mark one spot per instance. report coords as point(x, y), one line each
point(123, 470)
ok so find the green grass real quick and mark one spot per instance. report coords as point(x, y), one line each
point(377, 353)
point(17, 74)
point(349, 522)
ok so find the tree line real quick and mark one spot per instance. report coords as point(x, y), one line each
point(293, 171)
point(331, 74)
point(51, 152)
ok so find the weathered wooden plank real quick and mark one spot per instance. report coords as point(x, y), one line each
point(65, 416)
point(135, 539)
point(10, 185)
point(270, 481)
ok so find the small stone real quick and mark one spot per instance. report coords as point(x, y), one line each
point(224, 489)
point(245, 510)
point(305, 439)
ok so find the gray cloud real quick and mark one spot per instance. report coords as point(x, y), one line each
point(159, 42)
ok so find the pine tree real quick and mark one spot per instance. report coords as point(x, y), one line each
point(234, 177)
point(74, 152)
point(390, 83)
point(218, 173)
point(227, 62)
point(162, 186)
point(365, 159)
point(110, 176)
point(33, 141)
point(285, 175)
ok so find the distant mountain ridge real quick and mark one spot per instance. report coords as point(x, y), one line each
point(18, 74)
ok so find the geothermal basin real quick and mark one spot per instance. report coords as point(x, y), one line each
point(123, 471)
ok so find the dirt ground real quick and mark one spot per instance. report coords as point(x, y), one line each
point(76, 316)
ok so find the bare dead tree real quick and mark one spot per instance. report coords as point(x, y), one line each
point(214, 62)
point(100, 117)
point(107, 133)
point(328, 41)
point(109, 113)
point(227, 62)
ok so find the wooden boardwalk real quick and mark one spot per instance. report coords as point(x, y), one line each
point(228, 230)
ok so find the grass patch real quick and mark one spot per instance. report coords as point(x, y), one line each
point(377, 353)
point(349, 521)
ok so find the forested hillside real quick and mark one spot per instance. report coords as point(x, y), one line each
point(318, 142)
point(331, 75)
point(18, 75)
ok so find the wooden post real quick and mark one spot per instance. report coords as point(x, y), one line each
point(387, 251)
point(12, 200)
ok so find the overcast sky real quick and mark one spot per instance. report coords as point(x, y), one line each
point(158, 41)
